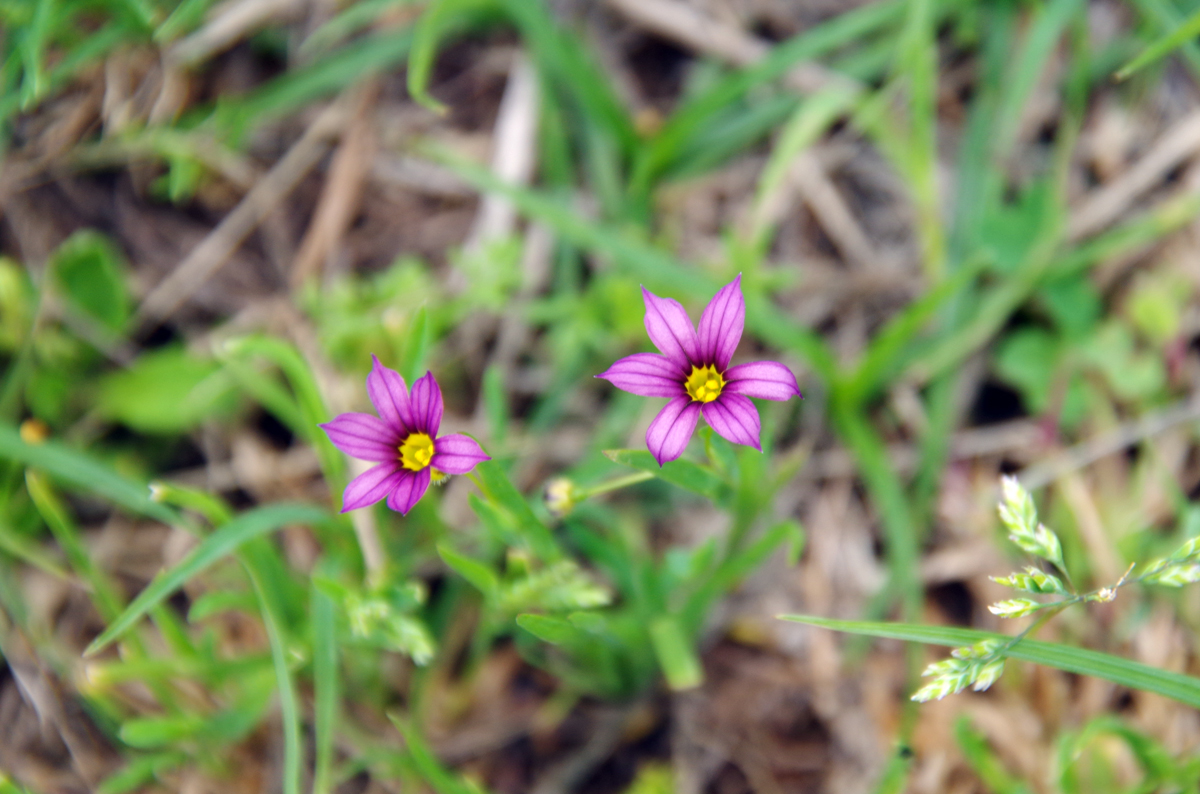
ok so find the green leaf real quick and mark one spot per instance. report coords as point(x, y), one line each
point(1163, 47)
point(150, 732)
point(500, 492)
point(481, 577)
point(440, 18)
point(165, 391)
point(1123, 672)
point(325, 687)
point(690, 476)
point(247, 526)
point(983, 760)
point(439, 778)
point(676, 654)
point(91, 272)
point(289, 707)
point(555, 631)
point(83, 472)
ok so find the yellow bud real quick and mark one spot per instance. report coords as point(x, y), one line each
point(34, 431)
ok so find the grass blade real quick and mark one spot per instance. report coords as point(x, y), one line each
point(1123, 672)
point(79, 470)
point(325, 688)
point(289, 708)
point(245, 527)
point(1164, 46)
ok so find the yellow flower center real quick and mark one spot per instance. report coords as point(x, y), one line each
point(704, 384)
point(416, 451)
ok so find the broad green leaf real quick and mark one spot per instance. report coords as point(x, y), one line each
point(245, 527)
point(555, 631)
point(91, 272)
point(481, 577)
point(165, 391)
point(1124, 672)
point(83, 472)
point(150, 732)
point(691, 476)
point(139, 773)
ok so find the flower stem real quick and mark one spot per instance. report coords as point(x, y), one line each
point(614, 484)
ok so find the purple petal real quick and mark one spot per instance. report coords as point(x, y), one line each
point(671, 430)
point(670, 329)
point(456, 454)
point(364, 437)
point(371, 486)
point(427, 405)
point(647, 375)
point(389, 395)
point(766, 380)
point(721, 324)
point(735, 419)
point(409, 490)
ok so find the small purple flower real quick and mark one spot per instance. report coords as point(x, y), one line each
point(694, 372)
point(403, 440)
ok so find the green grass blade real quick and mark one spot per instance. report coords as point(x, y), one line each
point(54, 513)
point(80, 471)
point(889, 496)
point(22, 548)
point(1183, 34)
point(693, 117)
point(566, 59)
point(884, 355)
point(917, 63)
point(500, 492)
point(307, 398)
point(657, 268)
point(289, 707)
point(245, 527)
point(1028, 64)
point(439, 778)
point(1123, 672)
point(440, 18)
point(298, 87)
point(346, 23)
point(325, 688)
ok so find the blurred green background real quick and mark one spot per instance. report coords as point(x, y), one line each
point(974, 244)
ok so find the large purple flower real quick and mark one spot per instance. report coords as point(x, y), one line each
point(402, 440)
point(694, 372)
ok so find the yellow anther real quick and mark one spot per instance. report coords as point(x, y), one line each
point(416, 451)
point(704, 384)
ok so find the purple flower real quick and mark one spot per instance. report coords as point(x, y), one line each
point(403, 440)
point(694, 372)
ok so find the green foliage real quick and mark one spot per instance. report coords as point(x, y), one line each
point(581, 581)
point(1185, 689)
point(165, 391)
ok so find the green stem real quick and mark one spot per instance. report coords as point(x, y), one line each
point(614, 484)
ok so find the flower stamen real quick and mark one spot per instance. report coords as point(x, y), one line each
point(704, 384)
point(416, 451)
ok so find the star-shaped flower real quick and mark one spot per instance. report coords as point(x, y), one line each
point(694, 372)
point(402, 440)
